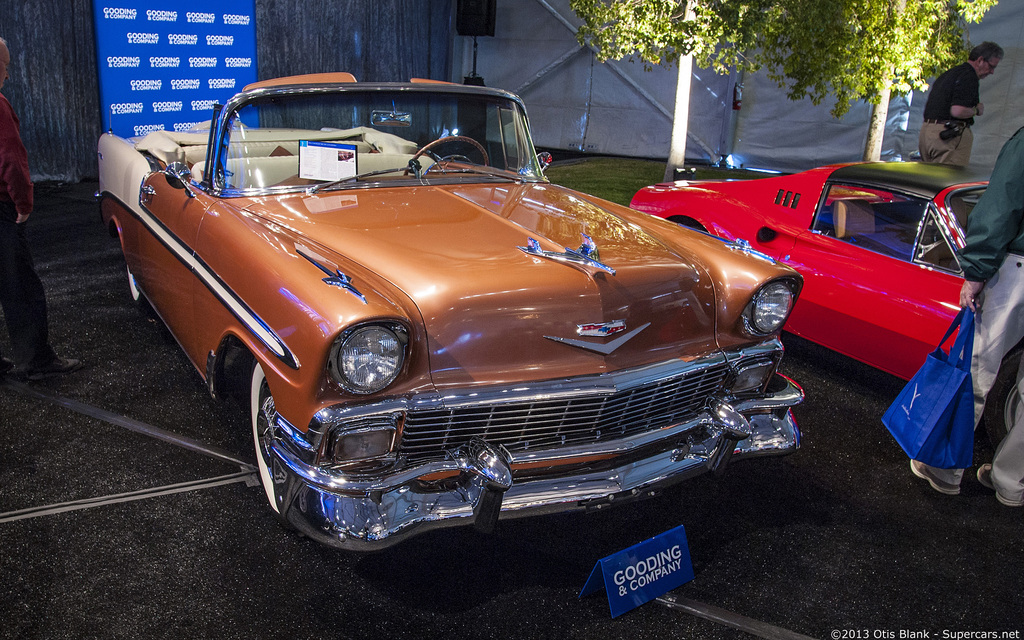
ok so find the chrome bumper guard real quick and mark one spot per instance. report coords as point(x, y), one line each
point(371, 514)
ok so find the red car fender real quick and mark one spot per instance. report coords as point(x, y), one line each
point(707, 209)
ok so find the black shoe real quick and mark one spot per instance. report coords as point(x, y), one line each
point(5, 365)
point(55, 368)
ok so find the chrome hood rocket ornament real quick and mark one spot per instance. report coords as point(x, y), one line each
point(586, 257)
point(334, 278)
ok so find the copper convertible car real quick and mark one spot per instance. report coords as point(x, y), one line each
point(427, 332)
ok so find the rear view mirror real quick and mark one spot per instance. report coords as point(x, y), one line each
point(391, 119)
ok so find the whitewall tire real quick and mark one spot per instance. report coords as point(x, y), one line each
point(262, 415)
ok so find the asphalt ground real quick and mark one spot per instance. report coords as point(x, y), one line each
point(114, 524)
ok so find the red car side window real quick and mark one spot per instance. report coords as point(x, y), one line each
point(876, 219)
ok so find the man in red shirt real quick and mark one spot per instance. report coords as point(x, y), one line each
point(21, 292)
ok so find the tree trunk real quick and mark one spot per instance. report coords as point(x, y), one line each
point(681, 113)
point(880, 111)
point(680, 118)
point(876, 127)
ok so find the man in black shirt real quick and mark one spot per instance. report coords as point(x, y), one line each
point(952, 105)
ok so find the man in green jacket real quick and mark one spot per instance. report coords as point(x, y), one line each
point(993, 264)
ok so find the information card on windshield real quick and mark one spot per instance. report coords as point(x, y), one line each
point(326, 160)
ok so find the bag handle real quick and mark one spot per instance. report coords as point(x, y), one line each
point(964, 343)
point(956, 323)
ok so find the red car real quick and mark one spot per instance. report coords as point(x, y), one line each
point(875, 243)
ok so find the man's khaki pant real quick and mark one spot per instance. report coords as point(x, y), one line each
point(955, 151)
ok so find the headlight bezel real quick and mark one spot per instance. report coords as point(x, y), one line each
point(348, 339)
point(759, 319)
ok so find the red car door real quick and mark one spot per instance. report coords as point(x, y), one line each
point(867, 293)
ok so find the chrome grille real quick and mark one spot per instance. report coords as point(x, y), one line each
point(532, 425)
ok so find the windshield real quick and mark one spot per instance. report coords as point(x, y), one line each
point(291, 141)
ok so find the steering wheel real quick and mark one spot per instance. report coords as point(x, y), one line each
point(430, 145)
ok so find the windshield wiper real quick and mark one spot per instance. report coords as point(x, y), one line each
point(414, 170)
point(480, 169)
point(337, 183)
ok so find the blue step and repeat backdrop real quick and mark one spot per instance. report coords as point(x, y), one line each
point(162, 65)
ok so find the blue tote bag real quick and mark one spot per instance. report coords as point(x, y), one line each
point(933, 417)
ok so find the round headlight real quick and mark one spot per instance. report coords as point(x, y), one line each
point(369, 358)
point(770, 308)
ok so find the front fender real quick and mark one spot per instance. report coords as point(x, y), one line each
point(262, 265)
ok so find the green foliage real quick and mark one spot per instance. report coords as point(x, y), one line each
point(848, 49)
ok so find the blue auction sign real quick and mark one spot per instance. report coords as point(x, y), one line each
point(642, 572)
point(163, 65)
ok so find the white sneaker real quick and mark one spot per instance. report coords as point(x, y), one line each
point(921, 470)
point(985, 478)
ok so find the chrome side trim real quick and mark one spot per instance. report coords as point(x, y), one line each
point(232, 301)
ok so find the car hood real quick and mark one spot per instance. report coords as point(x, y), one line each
point(494, 314)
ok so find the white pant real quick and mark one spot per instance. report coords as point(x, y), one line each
point(998, 327)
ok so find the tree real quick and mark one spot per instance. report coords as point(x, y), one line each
point(847, 49)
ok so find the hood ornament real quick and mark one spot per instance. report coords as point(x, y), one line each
point(586, 258)
point(603, 348)
point(743, 246)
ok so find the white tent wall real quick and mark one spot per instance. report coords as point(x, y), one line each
point(776, 133)
point(577, 103)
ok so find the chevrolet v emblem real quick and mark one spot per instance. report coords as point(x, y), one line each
point(602, 348)
point(601, 329)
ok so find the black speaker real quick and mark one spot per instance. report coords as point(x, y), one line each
point(475, 17)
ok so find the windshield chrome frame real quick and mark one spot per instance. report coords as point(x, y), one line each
point(219, 138)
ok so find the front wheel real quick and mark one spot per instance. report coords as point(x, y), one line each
point(1004, 400)
point(138, 297)
point(263, 416)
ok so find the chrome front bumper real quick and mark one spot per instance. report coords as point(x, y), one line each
point(483, 481)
